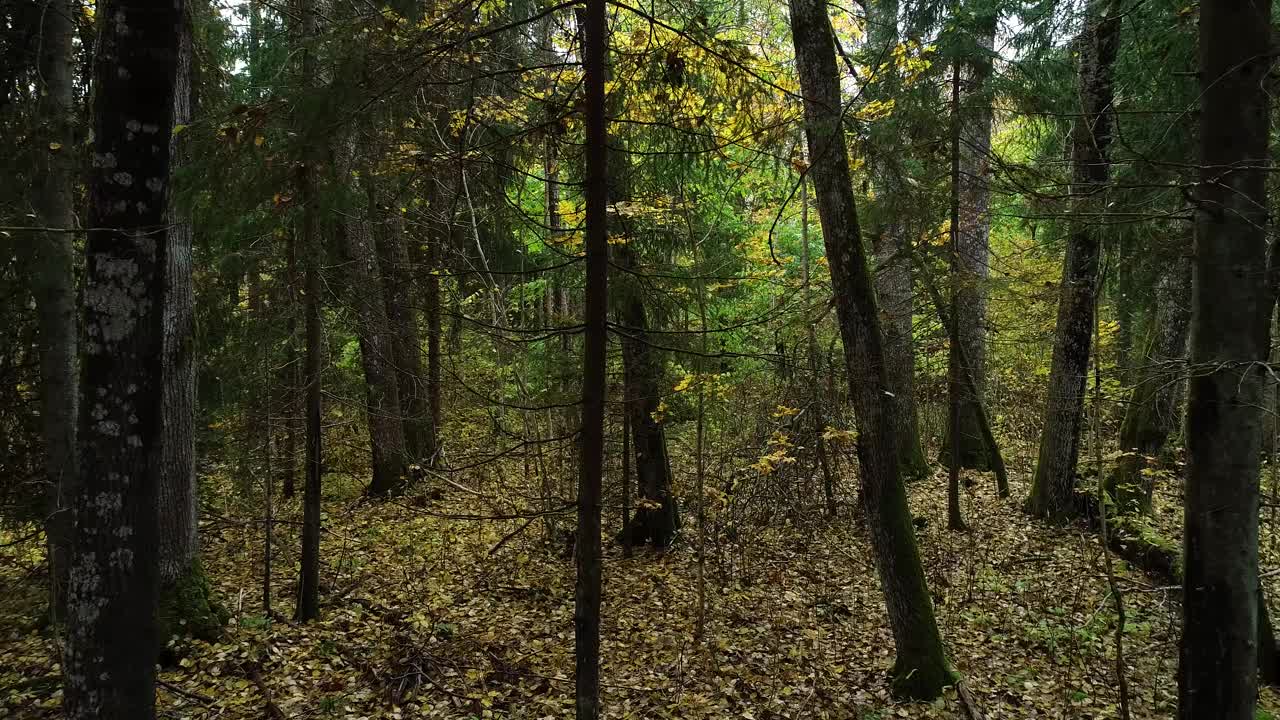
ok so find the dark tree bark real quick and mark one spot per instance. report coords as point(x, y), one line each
point(594, 382)
point(187, 606)
point(657, 516)
point(1232, 301)
point(51, 258)
point(402, 315)
point(921, 669)
point(109, 659)
point(817, 400)
point(427, 259)
point(377, 345)
point(892, 249)
point(1053, 491)
point(955, 401)
point(973, 241)
point(1151, 415)
point(308, 607)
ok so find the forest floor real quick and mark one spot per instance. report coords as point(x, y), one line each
point(429, 616)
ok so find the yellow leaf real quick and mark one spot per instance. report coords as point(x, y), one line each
point(55, 146)
point(257, 141)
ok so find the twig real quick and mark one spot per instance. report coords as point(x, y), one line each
point(506, 538)
point(967, 702)
point(273, 711)
point(202, 699)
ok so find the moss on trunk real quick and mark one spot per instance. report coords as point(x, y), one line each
point(189, 609)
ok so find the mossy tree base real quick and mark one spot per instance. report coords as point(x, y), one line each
point(912, 462)
point(189, 609)
point(924, 681)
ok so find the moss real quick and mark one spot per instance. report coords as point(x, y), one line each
point(912, 462)
point(921, 681)
point(189, 609)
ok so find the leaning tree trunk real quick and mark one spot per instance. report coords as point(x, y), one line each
point(1151, 415)
point(186, 603)
point(382, 394)
point(972, 246)
point(53, 282)
point(109, 656)
point(657, 517)
point(921, 669)
point(1232, 299)
point(1053, 491)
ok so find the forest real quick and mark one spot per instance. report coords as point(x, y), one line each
point(631, 359)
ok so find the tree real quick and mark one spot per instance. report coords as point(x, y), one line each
point(50, 257)
point(109, 659)
point(892, 247)
point(1053, 489)
point(973, 231)
point(377, 340)
point(186, 603)
point(1151, 414)
point(921, 669)
point(586, 611)
point(402, 315)
point(1232, 301)
point(309, 578)
point(657, 519)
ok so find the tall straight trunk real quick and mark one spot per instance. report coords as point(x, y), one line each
point(377, 345)
point(594, 383)
point(291, 382)
point(892, 253)
point(52, 263)
point(921, 669)
point(656, 520)
point(1232, 301)
point(109, 656)
point(1151, 414)
point(186, 605)
point(308, 607)
point(820, 443)
point(1053, 491)
point(955, 401)
point(402, 315)
point(973, 242)
point(1125, 305)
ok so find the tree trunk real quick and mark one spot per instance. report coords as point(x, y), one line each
point(109, 657)
point(1232, 300)
point(308, 607)
point(1053, 491)
point(921, 669)
point(1151, 415)
point(402, 314)
point(972, 243)
point(377, 345)
point(186, 603)
point(52, 263)
point(955, 340)
point(893, 254)
point(657, 517)
point(594, 383)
